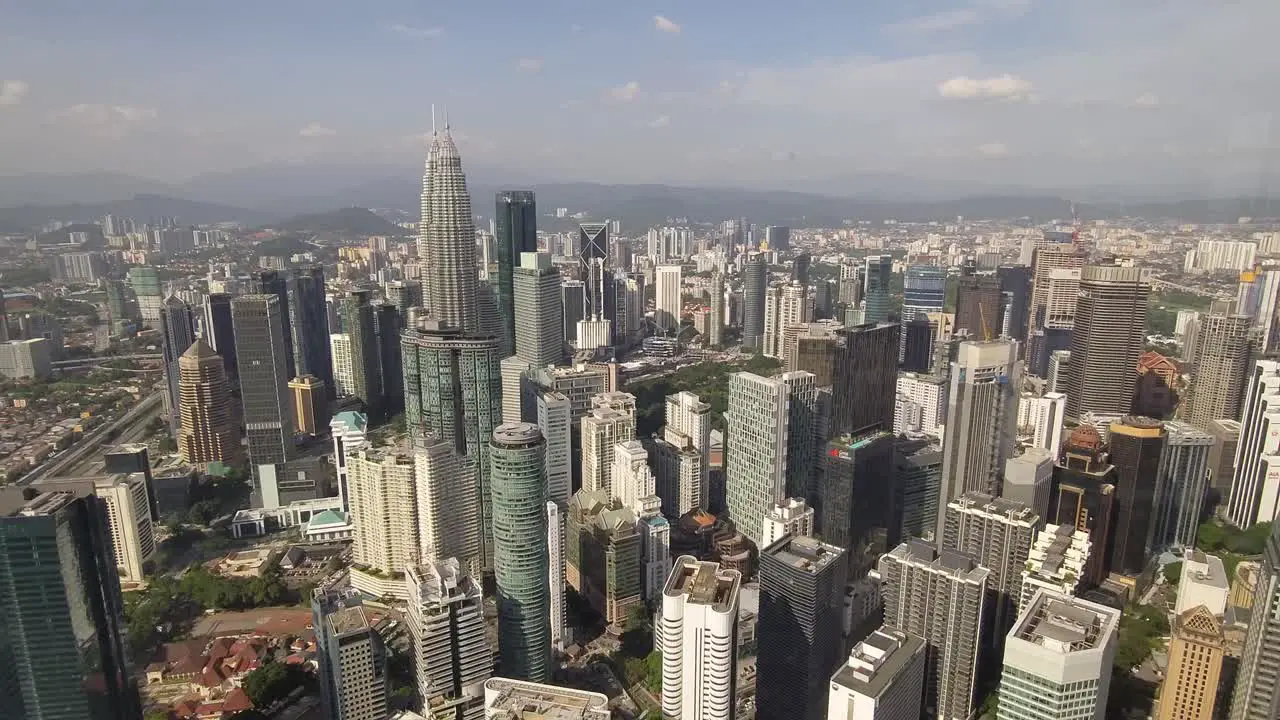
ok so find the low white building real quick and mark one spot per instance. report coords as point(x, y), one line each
point(1204, 581)
point(883, 679)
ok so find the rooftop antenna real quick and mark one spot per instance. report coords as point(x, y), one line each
point(433, 118)
point(446, 119)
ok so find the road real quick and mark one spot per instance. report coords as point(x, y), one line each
point(105, 358)
point(137, 417)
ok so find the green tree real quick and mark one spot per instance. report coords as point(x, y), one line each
point(272, 682)
point(156, 714)
point(1173, 572)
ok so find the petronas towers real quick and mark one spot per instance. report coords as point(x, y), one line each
point(447, 238)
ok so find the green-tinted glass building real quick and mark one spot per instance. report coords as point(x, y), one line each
point(453, 390)
point(521, 566)
point(61, 646)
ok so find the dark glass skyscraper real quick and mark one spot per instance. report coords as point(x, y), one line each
point(1015, 285)
point(261, 349)
point(309, 323)
point(390, 363)
point(177, 332)
point(516, 231)
point(62, 642)
point(875, 295)
point(755, 281)
point(802, 583)
point(1137, 445)
point(273, 282)
point(218, 331)
point(857, 499)
point(1107, 340)
point(866, 375)
point(978, 300)
point(924, 291)
point(359, 325)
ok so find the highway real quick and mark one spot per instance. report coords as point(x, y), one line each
point(105, 358)
point(136, 420)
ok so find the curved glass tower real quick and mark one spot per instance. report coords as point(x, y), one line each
point(518, 484)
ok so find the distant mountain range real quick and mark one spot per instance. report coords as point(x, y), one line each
point(268, 194)
point(348, 221)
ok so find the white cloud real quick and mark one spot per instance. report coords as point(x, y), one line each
point(993, 149)
point(1146, 100)
point(12, 91)
point(98, 114)
point(315, 130)
point(660, 122)
point(417, 32)
point(999, 87)
point(626, 93)
point(666, 25)
point(939, 22)
point(529, 65)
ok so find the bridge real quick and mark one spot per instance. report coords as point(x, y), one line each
point(77, 362)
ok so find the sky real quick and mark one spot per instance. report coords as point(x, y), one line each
point(804, 94)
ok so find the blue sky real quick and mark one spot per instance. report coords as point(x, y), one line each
point(804, 94)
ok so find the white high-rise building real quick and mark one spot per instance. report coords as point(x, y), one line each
point(1255, 488)
point(1056, 562)
point(698, 635)
point(451, 655)
point(1213, 255)
point(352, 659)
point(655, 554)
point(1044, 419)
point(344, 381)
point(612, 420)
point(784, 305)
point(982, 416)
point(447, 507)
point(667, 305)
point(384, 510)
point(794, 517)
point(555, 420)
point(927, 392)
point(883, 679)
point(766, 423)
point(348, 430)
point(1058, 660)
point(687, 416)
point(560, 630)
point(632, 480)
point(514, 372)
point(133, 540)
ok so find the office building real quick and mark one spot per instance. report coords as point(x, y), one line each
point(755, 275)
point(883, 679)
point(1046, 260)
point(1182, 485)
point(1056, 375)
point(1222, 362)
point(784, 306)
point(715, 338)
point(942, 598)
point(387, 327)
point(667, 302)
point(777, 237)
point(1222, 457)
point(309, 324)
point(310, 404)
point(207, 428)
point(555, 420)
point(978, 306)
point(1255, 488)
point(918, 475)
point(26, 359)
point(999, 533)
point(343, 368)
point(1257, 694)
point(982, 406)
point(857, 498)
point(603, 553)
point(1055, 564)
point(561, 632)
point(770, 445)
point(876, 296)
point(261, 345)
point(601, 290)
point(698, 637)
point(351, 659)
point(866, 371)
point(349, 432)
point(573, 297)
point(1196, 651)
point(920, 404)
point(1084, 497)
point(276, 284)
point(539, 332)
point(1015, 291)
point(1045, 418)
point(1028, 479)
point(506, 699)
point(448, 505)
point(1204, 582)
point(611, 421)
point(383, 494)
point(448, 240)
point(453, 389)
point(1137, 446)
point(359, 325)
point(40, 324)
point(218, 331)
point(177, 332)
point(924, 291)
point(1107, 339)
point(794, 517)
point(1058, 660)
point(802, 583)
point(63, 612)
point(515, 233)
point(128, 513)
point(404, 294)
point(519, 488)
point(451, 654)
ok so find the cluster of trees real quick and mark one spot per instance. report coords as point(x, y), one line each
point(169, 606)
point(636, 660)
point(1141, 631)
point(217, 497)
point(709, 381)
point(273, 682)
point(1213, 538)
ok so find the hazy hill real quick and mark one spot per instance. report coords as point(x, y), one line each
point(346, 221)
point(141, 208)
point(284, 246)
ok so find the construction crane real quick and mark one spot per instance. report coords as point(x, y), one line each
point(986, 329)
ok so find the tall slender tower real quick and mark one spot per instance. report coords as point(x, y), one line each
point(450, 237)
point(1111, 313)
point(446, 623)
point(261, 354)
point(1257, 695)
point(178, 331)
point(516, 232)
point(275, 282)
point(536, 301)
point(308, 320)
point(700, 641)
point(207, 430)
point(358, 321)
point(1137, 447)
point(521, 564)
point(717, 310)
point(667, 298)
point(1255, 493)
point(1222, 356)
point(756, 277)
point(218, 330)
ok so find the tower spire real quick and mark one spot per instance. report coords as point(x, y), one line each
point(433, 118)
point(446, 119)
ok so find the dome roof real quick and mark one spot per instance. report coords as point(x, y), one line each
point(1085, 437)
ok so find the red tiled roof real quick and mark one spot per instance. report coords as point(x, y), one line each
point(236, 701)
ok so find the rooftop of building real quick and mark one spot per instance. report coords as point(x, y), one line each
point(520, 700)
point(517, 433)
point(704, 583)
point(351, 419)
point(348, 620)
point(803, 553)
point(877, 661)
point(957, 564)
point(1065, 624)
point(1204, 569)
point(1004, 507)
